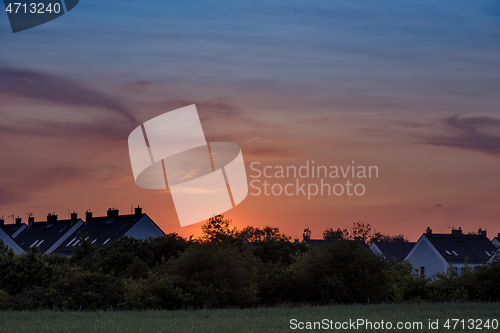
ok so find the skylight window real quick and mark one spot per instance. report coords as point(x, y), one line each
point(37, 242)
point(448, 252)
point(489, 254)
point(455, 253)
point(107, 240)
point(71, 241)
point(94, 241)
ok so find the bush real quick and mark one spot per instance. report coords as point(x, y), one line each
point(275, 284)
point(168, 247)
point(341, 272)
point(487, 280)
point(217, 276)
point(452, 286)
point(72, 289)
point(408, 285)
point(154, 292)
point(77, 289)
point(277, 251)
point(4, 300)
point(23, 272)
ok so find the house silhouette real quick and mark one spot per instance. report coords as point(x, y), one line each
point(61, 236)
point(433, 253)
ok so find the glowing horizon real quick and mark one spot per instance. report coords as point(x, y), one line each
point(409, 88)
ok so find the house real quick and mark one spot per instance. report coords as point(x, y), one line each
point(397, 249)
point(9, 231)
point(60, 236)
point(106, 229)
point(47, 235)
point(496, 241)
point(435, 252)
point(13, 230)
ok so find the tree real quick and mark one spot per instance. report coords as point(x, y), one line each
point(408, 285)
point(86, 254)
point(360, 230)
point(338, 234)
point(120, 254)
point(217, 229)
point(341, 272)
point(253, 234)
point(487, 279)
point(168, 247)
point(217, 276)
point(381, 237)
point(3, 247)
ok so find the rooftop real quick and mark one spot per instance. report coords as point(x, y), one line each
point(103, 230)
point(396, 250)
point(456, 247)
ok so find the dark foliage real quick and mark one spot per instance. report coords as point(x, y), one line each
point(223, 269)
point(341, 272)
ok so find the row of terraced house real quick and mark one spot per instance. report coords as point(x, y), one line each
point(60, 236)
point(434, 253)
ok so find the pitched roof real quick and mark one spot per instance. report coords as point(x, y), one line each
point(496, 241)
point(396, 250)
point(9, 242)
point(456, 247)
point(12, 229)
point(45, 234)
point(102, 230)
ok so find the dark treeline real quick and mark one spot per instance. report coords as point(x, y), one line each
point(225, 268)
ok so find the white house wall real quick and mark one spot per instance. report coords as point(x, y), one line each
point(425, 255)
point(145, 228)
point(460, 266)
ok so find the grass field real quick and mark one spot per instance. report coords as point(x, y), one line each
point(249, 320)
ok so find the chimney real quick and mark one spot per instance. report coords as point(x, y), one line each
point(88, 216)
point(456, 232)
point(138, 211)
point(51, 218)
point(19, 221)
point(483, 234)
point(306, 235)
point(74, 216)
point(112, 213)
point(428, 231)
point(31, 221)
point(2, 223)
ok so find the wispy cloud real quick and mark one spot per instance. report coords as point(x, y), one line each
point(481, 134)
point(92, 129)
point(56, 89)
point(17, 189)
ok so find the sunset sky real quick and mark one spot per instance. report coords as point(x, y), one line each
point(411, 87)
